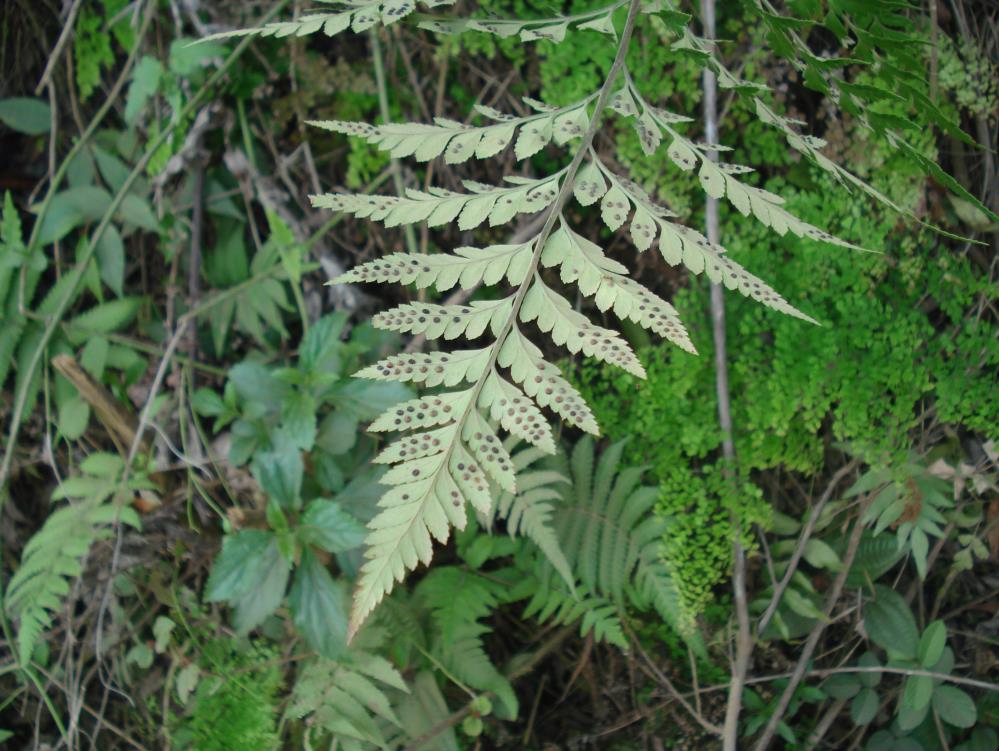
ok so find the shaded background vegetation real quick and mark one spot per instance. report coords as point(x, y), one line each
point(201, 315)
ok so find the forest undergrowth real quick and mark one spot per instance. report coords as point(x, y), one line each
point(718, 469)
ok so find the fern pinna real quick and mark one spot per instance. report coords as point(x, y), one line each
point(450, 454)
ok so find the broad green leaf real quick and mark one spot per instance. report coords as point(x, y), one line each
point(954, 706)
point(842, 686)
point(71, 208)
point(26, 115)
point(931, 644)
point(318, 609)
point(110, 253)
point(186, 57)
point(917, 691)
point(864, 707)
point(890, 624)
point(327, 525)
point(267, 592)
point(240, 566)
point(74, 414)
point(821, 555)
point(279, 471)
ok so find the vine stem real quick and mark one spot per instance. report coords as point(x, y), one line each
point(555, 211)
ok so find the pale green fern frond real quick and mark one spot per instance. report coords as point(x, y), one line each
point(455, 457)
point(355, 15)
point(610, 538)
point(459, 142)
point(529, 512)
point(438, 207)
point(53, 557)
point(458, 599)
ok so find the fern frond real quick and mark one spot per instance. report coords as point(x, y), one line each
point(464, 656)
point(456, 453)
point(606, 280)
point(458, 599)
point(356, 15)
point(449, 321)
point(53, 557)
point(466, 266)
point(543, 382)
point(554, 28)
point(552, 603)
point(347, 698)
point(437, 207)
point(529, 512)
point(459, 142)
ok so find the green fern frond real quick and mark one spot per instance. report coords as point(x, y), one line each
point(348, 699)
point(551, 602)
point(529, 512)
point(53, 557)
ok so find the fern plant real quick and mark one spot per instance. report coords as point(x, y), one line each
point(53, 557)
point(451, 454)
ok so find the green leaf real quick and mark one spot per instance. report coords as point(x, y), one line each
point(338, 433)
point(279, 472)
point(26, 115)
point(69, 209)
point(864, 707)
point(821, 555)
point(917, 691)
point(869, 679)
point(842, 686)
point(931, 644)
point(321, 347)
point(187, 57)
point(366, 400)
point(890, 624)
point(145, 81)
point(266, 594)
point(298, 419)
point(240, 565)
point(318, 607)
point(74, 414)
point(909, 719)
point(136, 211)
point(327, 525)
point(110, 253)
point(954, 706)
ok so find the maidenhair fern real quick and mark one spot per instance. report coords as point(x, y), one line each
point(452, 453)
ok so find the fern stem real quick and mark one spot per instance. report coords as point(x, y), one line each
point(555, 211)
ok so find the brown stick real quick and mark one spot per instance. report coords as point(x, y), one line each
point(120, 423)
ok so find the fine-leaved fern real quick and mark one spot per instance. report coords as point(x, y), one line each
point(451, 454)
point(53, 557)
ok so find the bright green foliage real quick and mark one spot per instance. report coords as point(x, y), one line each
point(236, 706)
point(348, 699)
